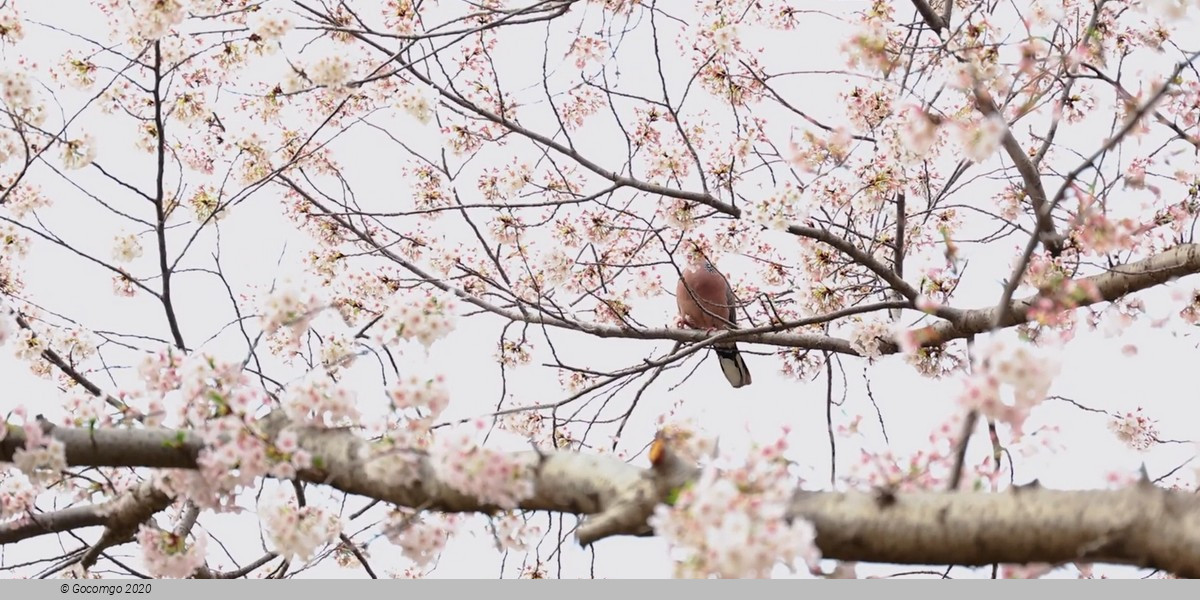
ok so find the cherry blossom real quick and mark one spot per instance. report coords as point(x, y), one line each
point(417, 102)
point(421, 537)
point(42, 459)
point(11, 28)
point(919, 132)
point(290, 305)
point(126, 248)
point(270, 25)
point(79, 153)
point(513, 532)
point(321, 402)
point(17, 90)
point(428, 394)
point(1134, 429)
point(1168, 9)
point(13, 243)
point(154, 18)
point(168, 555)
point(296, 533)
point(1008, 382)
point(518, 185)
point(868, 338)
point(980, 139)
point(17, 494)
point(492, 477)
point(733, 523)
point(424, 318)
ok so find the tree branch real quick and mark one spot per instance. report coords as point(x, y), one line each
point(1124, 279)
point(856, 254)
point(1140, 525)
point(160, 201)
point(120, 517)
point(1050, 239)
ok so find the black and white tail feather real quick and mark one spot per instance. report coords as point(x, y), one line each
point(733, 366)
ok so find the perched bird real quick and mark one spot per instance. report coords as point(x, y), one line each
point(707, 302)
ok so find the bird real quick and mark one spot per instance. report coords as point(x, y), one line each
point(707, 302)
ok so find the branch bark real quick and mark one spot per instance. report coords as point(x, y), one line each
point(120, 517)
point(1121, 280)
point(1141, 525)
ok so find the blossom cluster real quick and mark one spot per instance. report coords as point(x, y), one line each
point(321, 402)
point(868, 337)
point(1053, 306)
point(1134, 429)
point(78, 153)
point(778, 210)
point(420, 537)
point(126, 248)
point(287, 455)
point(17, 494)
point(233, 459)
point(168, 555)
point(209, 388)
point(216, 399)
point(400, 15)
point(42, 458)
point(297, 532)
point(11, 28)
point(153, 19)
point(734, 522)
point(160, 372)
point(83, 409)
point(514, 532)
point(428, 394)
point(512, 353)
point(332, 71)
point(1008, 382)
point(498, 478)
point(17, 90)
point(418, 102)
point(425, 318)
point(270, 25)
point(291, 306)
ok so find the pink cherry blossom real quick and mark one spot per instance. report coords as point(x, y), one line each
point(1135, 429)
point(169, 556)
point(734, 522)
point(420, 537)
point(492, 477)
point(297, 533)
point(17, 494)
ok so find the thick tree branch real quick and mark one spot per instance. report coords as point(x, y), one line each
point(1121, 280)
point(116, 447)
point(119, 516)
point(1141, 525)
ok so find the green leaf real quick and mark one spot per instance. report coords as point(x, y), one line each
point(673, 496)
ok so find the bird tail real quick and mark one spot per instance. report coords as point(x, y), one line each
point(733, 366)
